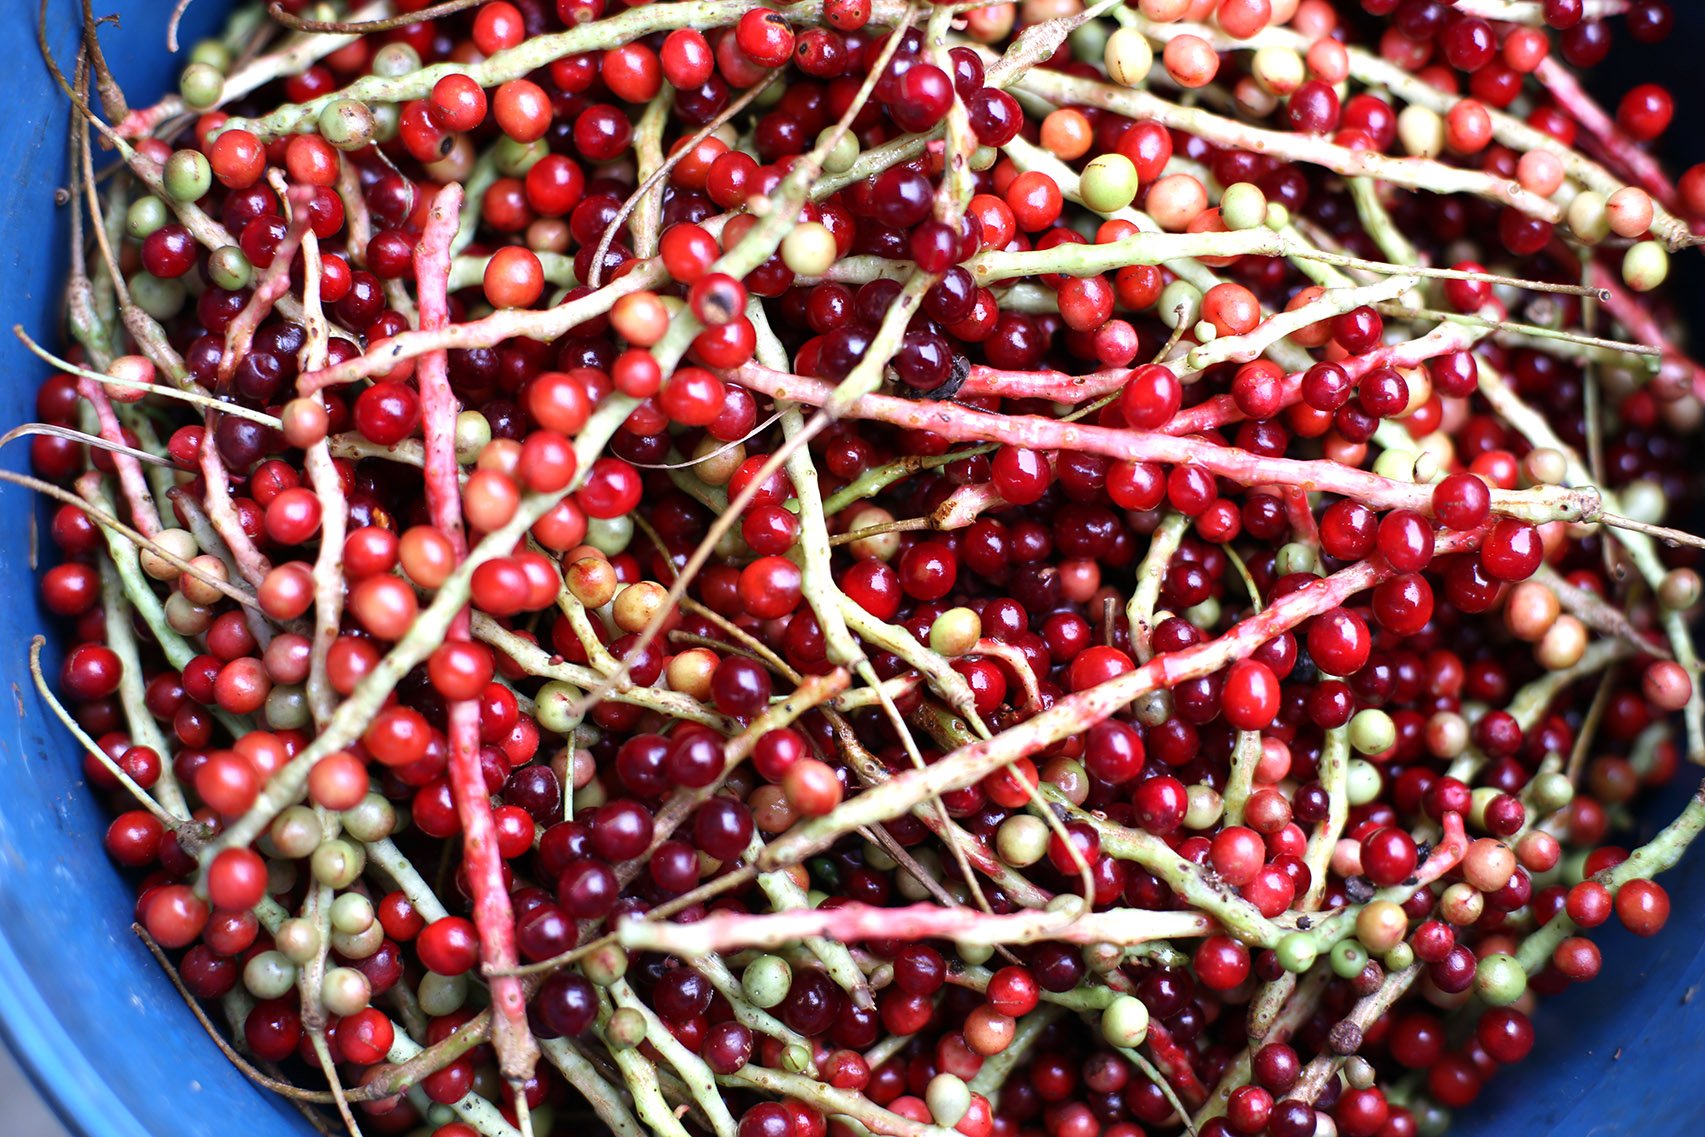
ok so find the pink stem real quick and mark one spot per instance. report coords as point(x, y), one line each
point(1452, 847)
point(1054, 385)
point(250, 561)
point(438, 407)
point(733, 931)
point(1221, 410)
point(962, 424)
point(1617, 146)
point(1173, 1061)
point(142, 511)
point(1303, 526)
point(493, 916)
point(274, 284)
point(1060, 387)
point(140, 122)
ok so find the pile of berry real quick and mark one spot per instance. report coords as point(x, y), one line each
point(869, 567)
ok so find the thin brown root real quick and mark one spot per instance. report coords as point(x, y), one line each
point(1671, 537)
point(178, 11)
point(595, 274)
point(112, 98)
point(173, 824)
point(277, 1086)
point(907, 525)
point(717, 453)
point(356, 27)
point(94, 440)
point(102, 517)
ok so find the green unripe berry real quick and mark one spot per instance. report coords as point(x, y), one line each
point(984, 158)
point(1243, 206)
point(360, 945)
point(513, 159)
point(373, 818)
point(1645, 266)
point(1551, 791)
point(1022, 840)
point(955, 632)
point(1128, 57)
point(1109, 183)
point(1180, 304)
point(809, 249)
point(295, 832)
point(1588, 217)
point(1297, 952)
point(1348, 958)
point(228, 268)
point(351, 914)
point(473, 435)
point(348, 124)
point(188, 176)
point(766, 980)
point(1204, 615)
point(1397, 464)
point(553, 706)
point(1125, 1022)
point(948, 1098)
point(1399, 957)
point(1204, 806)
point(1680, 589)
point(213, 53)
point(388, 121)
point(839, 158)
point(145, 215)
point(609, 535)
point(345, 991)
point(298, 939)
point(269, 975)
point(1499, 979)
point(161, 299)
point(974, 955)
point(1372, 731)
point(626, 1029)
point(395, 60)
point(1089, 41)
point(337, 863)
point(604, 966)
point(201, 85)
point(287, 708)
point(1364, 782)
point(1431, 1118)
point(1295, 556)
point(442, 994)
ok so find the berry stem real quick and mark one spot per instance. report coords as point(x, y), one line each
point(1346, 1036)
point(832, 1101)
point(693, 1070)
point(1334, 778)
point(726, 931)
point(962, 424)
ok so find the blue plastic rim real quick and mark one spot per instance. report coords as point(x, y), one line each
point(111, 1045)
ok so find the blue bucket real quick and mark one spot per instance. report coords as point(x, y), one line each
point(113, 1048)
